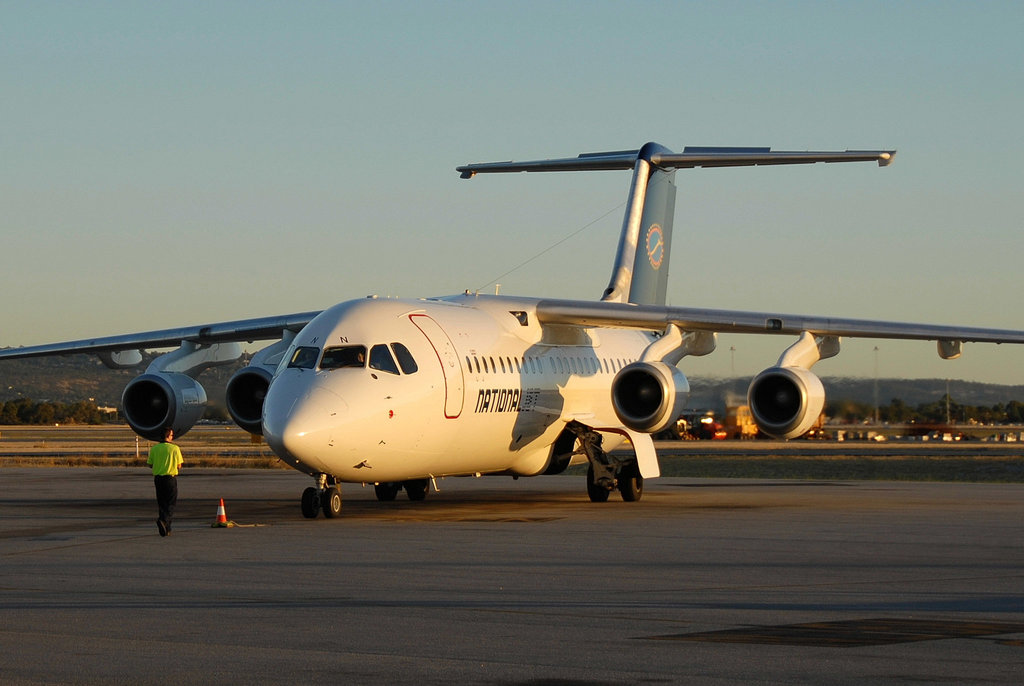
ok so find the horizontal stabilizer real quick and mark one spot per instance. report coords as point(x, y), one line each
point(692, 156)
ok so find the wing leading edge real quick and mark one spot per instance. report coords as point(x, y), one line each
point(243, 330)
point(656, 318)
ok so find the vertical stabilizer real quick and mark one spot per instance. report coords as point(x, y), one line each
point(640, 272)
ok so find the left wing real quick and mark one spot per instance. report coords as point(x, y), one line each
point(657, 317)
point(243, 330)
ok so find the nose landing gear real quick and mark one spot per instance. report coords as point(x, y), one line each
point(326, 496)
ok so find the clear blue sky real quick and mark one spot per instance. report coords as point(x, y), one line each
point(167, 164)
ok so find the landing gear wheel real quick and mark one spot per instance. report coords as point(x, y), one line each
point(597, 492)
point(416, 489)
point(631, 484)
point(310, 503)
point(387, 492)
point(332, 502)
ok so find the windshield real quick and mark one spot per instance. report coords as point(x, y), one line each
point(345, 356)
point(380, 358)
point(304, 357)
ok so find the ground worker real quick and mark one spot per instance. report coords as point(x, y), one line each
point(165, 458)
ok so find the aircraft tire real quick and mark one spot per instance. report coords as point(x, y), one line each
point(597, 494)
point(631, 484)
point(387, 492)
point(310, 503)
point(416, 489)
point(332, 502)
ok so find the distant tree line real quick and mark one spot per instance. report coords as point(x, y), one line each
point(26, 411)
point(936, 412)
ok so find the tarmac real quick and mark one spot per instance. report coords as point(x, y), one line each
point(496, 581)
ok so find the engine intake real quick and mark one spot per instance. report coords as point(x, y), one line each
point(153, 402)
point(246, 392)
point(649, 396)
point(786, 401)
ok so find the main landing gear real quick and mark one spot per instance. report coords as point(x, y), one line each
point(326, 496)
point(416, 489)
point(605, 472)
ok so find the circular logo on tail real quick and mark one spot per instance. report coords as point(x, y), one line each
point(655, 246)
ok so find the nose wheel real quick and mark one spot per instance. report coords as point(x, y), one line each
point(322, 497)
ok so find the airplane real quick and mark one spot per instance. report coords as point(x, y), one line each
point(401, 392)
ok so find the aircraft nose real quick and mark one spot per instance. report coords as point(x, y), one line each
point(300, 423)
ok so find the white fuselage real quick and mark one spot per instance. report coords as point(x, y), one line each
point(488, 389)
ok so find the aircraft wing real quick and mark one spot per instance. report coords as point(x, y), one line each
point(657, 317)
point(244, 330)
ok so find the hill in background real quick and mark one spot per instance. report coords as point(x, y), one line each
point(71, 378)
point(718, 393)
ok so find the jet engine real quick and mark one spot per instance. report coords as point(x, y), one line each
point(245, 394)
point(786, 401)
point(649, 396)
point(154, 401)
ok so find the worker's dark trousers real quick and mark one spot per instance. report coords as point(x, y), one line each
point(166, 497)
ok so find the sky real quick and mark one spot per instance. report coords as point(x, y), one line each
point(171, 164)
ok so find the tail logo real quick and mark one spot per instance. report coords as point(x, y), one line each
point(655, 246)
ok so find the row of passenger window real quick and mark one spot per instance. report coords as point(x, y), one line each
point(381, 359)
point(556, 364)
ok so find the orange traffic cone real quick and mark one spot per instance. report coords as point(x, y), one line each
point(222, 517)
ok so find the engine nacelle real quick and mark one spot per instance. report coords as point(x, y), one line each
point(246, 392)
point(649, 396)
point(152, 402)
point(786, 401)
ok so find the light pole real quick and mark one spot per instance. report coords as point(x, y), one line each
point(876, 385)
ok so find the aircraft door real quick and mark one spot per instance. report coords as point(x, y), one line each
point(454, 384)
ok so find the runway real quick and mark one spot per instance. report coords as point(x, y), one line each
point(495, 581)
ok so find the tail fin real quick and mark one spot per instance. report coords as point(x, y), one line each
point(640, 272)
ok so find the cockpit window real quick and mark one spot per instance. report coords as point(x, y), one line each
point(380, 358)
point(405, 359)
point(345, 356)
point(304, 357)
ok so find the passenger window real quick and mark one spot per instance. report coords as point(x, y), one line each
point(345, 356)
point(304, 357)
point(380, 358)
point(405, 359)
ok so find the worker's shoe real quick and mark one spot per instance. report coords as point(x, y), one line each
point(162, 527)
